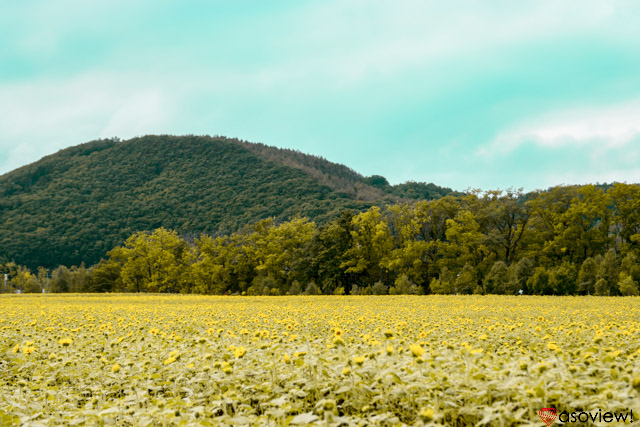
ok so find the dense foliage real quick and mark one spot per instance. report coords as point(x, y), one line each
point(142, 360)
point(75, 205)
point(345, 180)
point(565, 241)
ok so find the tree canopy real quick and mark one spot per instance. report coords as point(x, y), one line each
point(564, 241)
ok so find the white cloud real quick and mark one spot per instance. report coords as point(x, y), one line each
point(138, 113)
point(335, 45)
point(350, 40)
point(573, 146)
point(39, 118)
point(598, 129)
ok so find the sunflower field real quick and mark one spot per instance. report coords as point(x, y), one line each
point(144, 360)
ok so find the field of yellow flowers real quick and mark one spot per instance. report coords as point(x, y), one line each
point(196, 360)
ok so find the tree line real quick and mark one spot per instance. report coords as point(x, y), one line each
point(568, 240)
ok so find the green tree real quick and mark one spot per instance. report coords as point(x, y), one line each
point(466, 281)
point(467, 244)
point(588, 276)
point(519, 275)
point(11, 270)
point(601, 287)
point(379, 288)
point(60, 279)
point(625, 200)
point(582, 231)
point(411, 260)
point(444, 284)
point(631, 266)
point(278, 249)
point(431, 217)
point(312, 289)
point(608, 273)
point(508, 220)
point(105, 277)
point(212, 263)
point(372, 241)
point(152, 262)
point(326, 254)
point(404, 286)
point(80, 279)
point(540, 283)
point(497, 281)
point(547, 213)
point(25, 281)
point(563, 279)
point(627, 285)
point(263, 285)
point(419, 236)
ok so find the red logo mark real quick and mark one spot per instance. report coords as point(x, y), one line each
point(548, 415)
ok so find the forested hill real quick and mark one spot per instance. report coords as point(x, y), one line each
point(75, 205)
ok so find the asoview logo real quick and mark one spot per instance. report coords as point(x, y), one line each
point(549, 415)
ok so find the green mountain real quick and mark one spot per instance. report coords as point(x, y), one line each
point(75, 205)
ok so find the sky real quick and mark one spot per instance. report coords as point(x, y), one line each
point(465, 94)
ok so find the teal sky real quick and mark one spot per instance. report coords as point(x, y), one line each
point(465, 94)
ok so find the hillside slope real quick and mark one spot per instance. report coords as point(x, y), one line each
point(345, 180)
point(77, 204)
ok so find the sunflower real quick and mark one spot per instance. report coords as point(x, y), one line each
point(65, 342)
point(239, 352)
point(416, 350)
